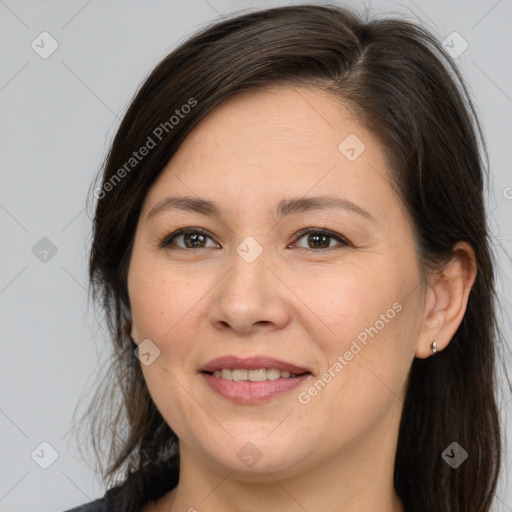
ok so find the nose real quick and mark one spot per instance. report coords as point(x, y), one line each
point(250, 297)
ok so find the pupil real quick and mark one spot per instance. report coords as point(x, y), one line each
point(195, 237)
point(192, 240)
point(316, 238)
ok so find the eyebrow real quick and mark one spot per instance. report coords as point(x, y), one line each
point(284, 207)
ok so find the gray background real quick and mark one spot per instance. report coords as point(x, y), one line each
point(58, 116)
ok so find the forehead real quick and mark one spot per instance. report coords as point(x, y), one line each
point(261, 146)
point(288, 121)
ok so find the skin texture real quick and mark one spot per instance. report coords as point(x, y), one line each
point(296, 302)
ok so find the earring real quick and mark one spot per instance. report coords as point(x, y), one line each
point(434, 347)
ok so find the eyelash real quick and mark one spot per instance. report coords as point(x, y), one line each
point(343, 242)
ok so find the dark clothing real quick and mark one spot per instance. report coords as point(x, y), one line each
point(93, 506)
point(137, 490)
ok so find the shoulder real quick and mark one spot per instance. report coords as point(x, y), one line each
point(93, 506)
point(137, 490)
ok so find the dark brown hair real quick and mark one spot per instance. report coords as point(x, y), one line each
point(405, 89)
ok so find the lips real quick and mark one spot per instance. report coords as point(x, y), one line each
point(231, 377)
point(251, 363)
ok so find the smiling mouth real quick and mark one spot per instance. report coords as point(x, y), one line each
point(257, 375)
point(252, 379)
point(254, 386)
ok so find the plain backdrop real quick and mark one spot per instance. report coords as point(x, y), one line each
point(59, 112)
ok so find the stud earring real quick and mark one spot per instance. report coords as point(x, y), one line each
point(434, 347)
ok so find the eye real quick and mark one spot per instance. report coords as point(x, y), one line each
point(196, 238)
point(320, 238)
point(192, 239)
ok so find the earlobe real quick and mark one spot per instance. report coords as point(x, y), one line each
point(446, 300)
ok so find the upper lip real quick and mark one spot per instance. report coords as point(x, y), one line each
point(251, 363)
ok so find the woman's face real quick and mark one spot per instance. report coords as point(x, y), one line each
point(243, 289)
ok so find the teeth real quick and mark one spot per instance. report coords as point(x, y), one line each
point(259, 375)
point(239, 375)
point(273, 374)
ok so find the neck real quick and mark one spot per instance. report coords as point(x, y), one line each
point(353, 480)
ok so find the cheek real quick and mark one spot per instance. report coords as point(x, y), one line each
point(363, 382)
point(350, 304)
point(368, 356)
point(158, 300)
point(163, 311)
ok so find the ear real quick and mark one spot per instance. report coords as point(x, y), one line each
point(446, 299)
point(129, 327)
point(134, 336)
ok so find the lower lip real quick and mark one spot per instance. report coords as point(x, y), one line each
point(248, 392)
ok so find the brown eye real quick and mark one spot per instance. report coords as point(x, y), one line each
point(191, 239)
point(198, 239)
point(194, 240)
point(321, 239)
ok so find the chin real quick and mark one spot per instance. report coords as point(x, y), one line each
point(250, 458)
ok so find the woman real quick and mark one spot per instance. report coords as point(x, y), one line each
point(290, 243)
